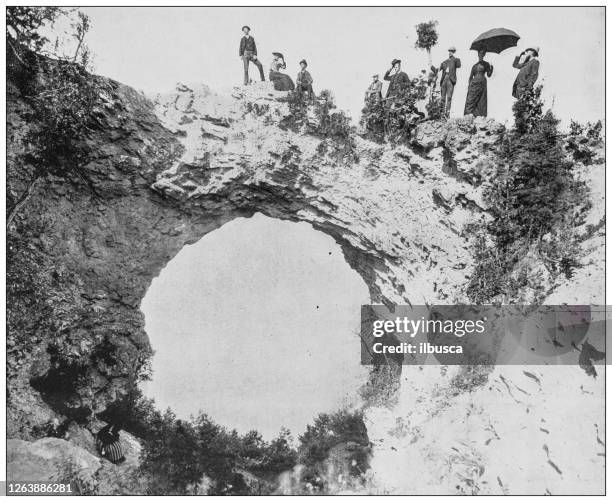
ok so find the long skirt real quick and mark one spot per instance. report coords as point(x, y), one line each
point(281, 81)
point(476, 101)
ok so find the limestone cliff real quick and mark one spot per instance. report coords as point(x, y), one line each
point(164, 172)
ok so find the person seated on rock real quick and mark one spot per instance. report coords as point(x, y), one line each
point(373, 94)
point(304, 80)
point(109, 445)
point(281, 81)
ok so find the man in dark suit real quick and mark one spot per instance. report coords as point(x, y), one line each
point(529, 67)
point(448, 80)
point(248, 53)
point(398, 82)
point(304, 81)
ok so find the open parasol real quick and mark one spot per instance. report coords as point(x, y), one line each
point(495, 40)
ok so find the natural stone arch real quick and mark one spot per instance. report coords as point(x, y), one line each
point(164, 175)
point(115, 267)
point(160, 176)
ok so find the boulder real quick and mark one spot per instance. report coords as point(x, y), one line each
point(49, 459)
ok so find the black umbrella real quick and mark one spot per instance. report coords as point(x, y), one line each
point(495, 40)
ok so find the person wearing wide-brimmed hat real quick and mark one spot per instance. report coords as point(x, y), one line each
point(248, 53)
point(374, 92)
point(449, 79)
point(304, 80)
point(398, 81)
point(281, 81)
point(528, 65)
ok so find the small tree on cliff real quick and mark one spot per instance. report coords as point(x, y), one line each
point(395, 119)
point(528, 111)
point(344, 429)
point(23, 25)
point(427, 37)
point(539, 186)
point(534, 200)
point(60, 91)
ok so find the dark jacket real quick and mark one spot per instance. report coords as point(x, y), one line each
point(247, 44)
point(450, 65)
point(526, 77)
point(397, 83)
point(303, 78)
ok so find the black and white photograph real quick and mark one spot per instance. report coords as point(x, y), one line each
point(305, 250)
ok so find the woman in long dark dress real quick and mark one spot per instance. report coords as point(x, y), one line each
point(281, 81)
point(476, 101)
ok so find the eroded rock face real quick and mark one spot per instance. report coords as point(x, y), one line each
point(397, 213)
point(164, 173)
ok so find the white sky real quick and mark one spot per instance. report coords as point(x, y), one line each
point(255, 324)
point(154, 48)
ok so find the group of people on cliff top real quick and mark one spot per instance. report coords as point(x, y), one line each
point(281, 81)
point(476, 101)
point(399, 82)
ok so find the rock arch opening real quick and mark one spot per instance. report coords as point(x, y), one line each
point(256, 325)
